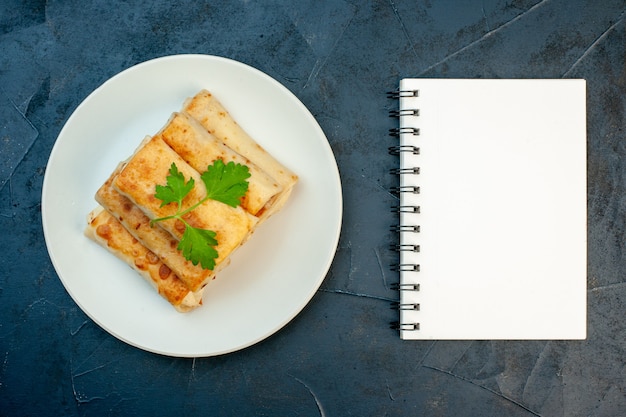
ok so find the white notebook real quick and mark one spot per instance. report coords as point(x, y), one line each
point(492, 209)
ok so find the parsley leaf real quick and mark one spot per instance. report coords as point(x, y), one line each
point(198, 246)
point(226, 183)
point(176, 189)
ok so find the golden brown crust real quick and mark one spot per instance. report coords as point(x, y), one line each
point(159, 241)
point(137, 181)
point(104, 229)
point(210, 113)
point(199, 149)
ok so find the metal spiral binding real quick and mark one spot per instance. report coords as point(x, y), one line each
point(405, 228)
point(405, 267)
point(397, 149)
point(405, 247)
point(404, 112)
point(405, 287)
point(405, 189)
point(397, 131)
point(404, 208)
point(402, 171)
point(403, 93)
point(404, 326)
point(405, 306)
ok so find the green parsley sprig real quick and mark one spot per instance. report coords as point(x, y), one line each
point(226, 183)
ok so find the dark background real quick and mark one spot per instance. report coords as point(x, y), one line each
point(338, 357)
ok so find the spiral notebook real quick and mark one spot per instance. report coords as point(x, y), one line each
point(492, 209)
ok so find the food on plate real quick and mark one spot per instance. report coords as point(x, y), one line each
point(149, 166)
point(199, 149)
point(187, 198)
point(103, 228)
point(162, 243)
point(211, 114)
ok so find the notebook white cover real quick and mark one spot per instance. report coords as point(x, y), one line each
point(502, 209)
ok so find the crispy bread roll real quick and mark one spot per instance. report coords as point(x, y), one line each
point(104, 229)
point(207, 110)
point(149, 166)
point(199, 148)
point(156, 239)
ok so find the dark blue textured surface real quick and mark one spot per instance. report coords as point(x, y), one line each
point(338, 357)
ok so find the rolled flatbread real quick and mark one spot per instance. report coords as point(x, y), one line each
point(211, 114)
point(104, 229)
point(149, 166)
point(199, 148)
point(156, 239)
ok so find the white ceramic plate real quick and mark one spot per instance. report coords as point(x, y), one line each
point(271, 278)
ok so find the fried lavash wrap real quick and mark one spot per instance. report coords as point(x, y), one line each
point(106, 230)
point(211, 114)
point(162, 243)
point(194, 138)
